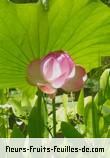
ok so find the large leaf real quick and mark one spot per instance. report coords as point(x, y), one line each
point(69, 131)
point(37, 126)
point(91, 119)
point(105, 83)
point(3, 127)
point(16, 133)
point(28, 31)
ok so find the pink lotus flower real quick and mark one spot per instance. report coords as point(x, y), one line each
point(56, 70)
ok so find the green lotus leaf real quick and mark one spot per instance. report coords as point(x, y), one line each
point(29, 31)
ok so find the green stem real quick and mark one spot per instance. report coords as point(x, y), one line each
point(54, 118)
point(40, 94)
point(65, 103)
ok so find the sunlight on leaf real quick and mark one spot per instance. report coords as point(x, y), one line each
point(28, 31)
